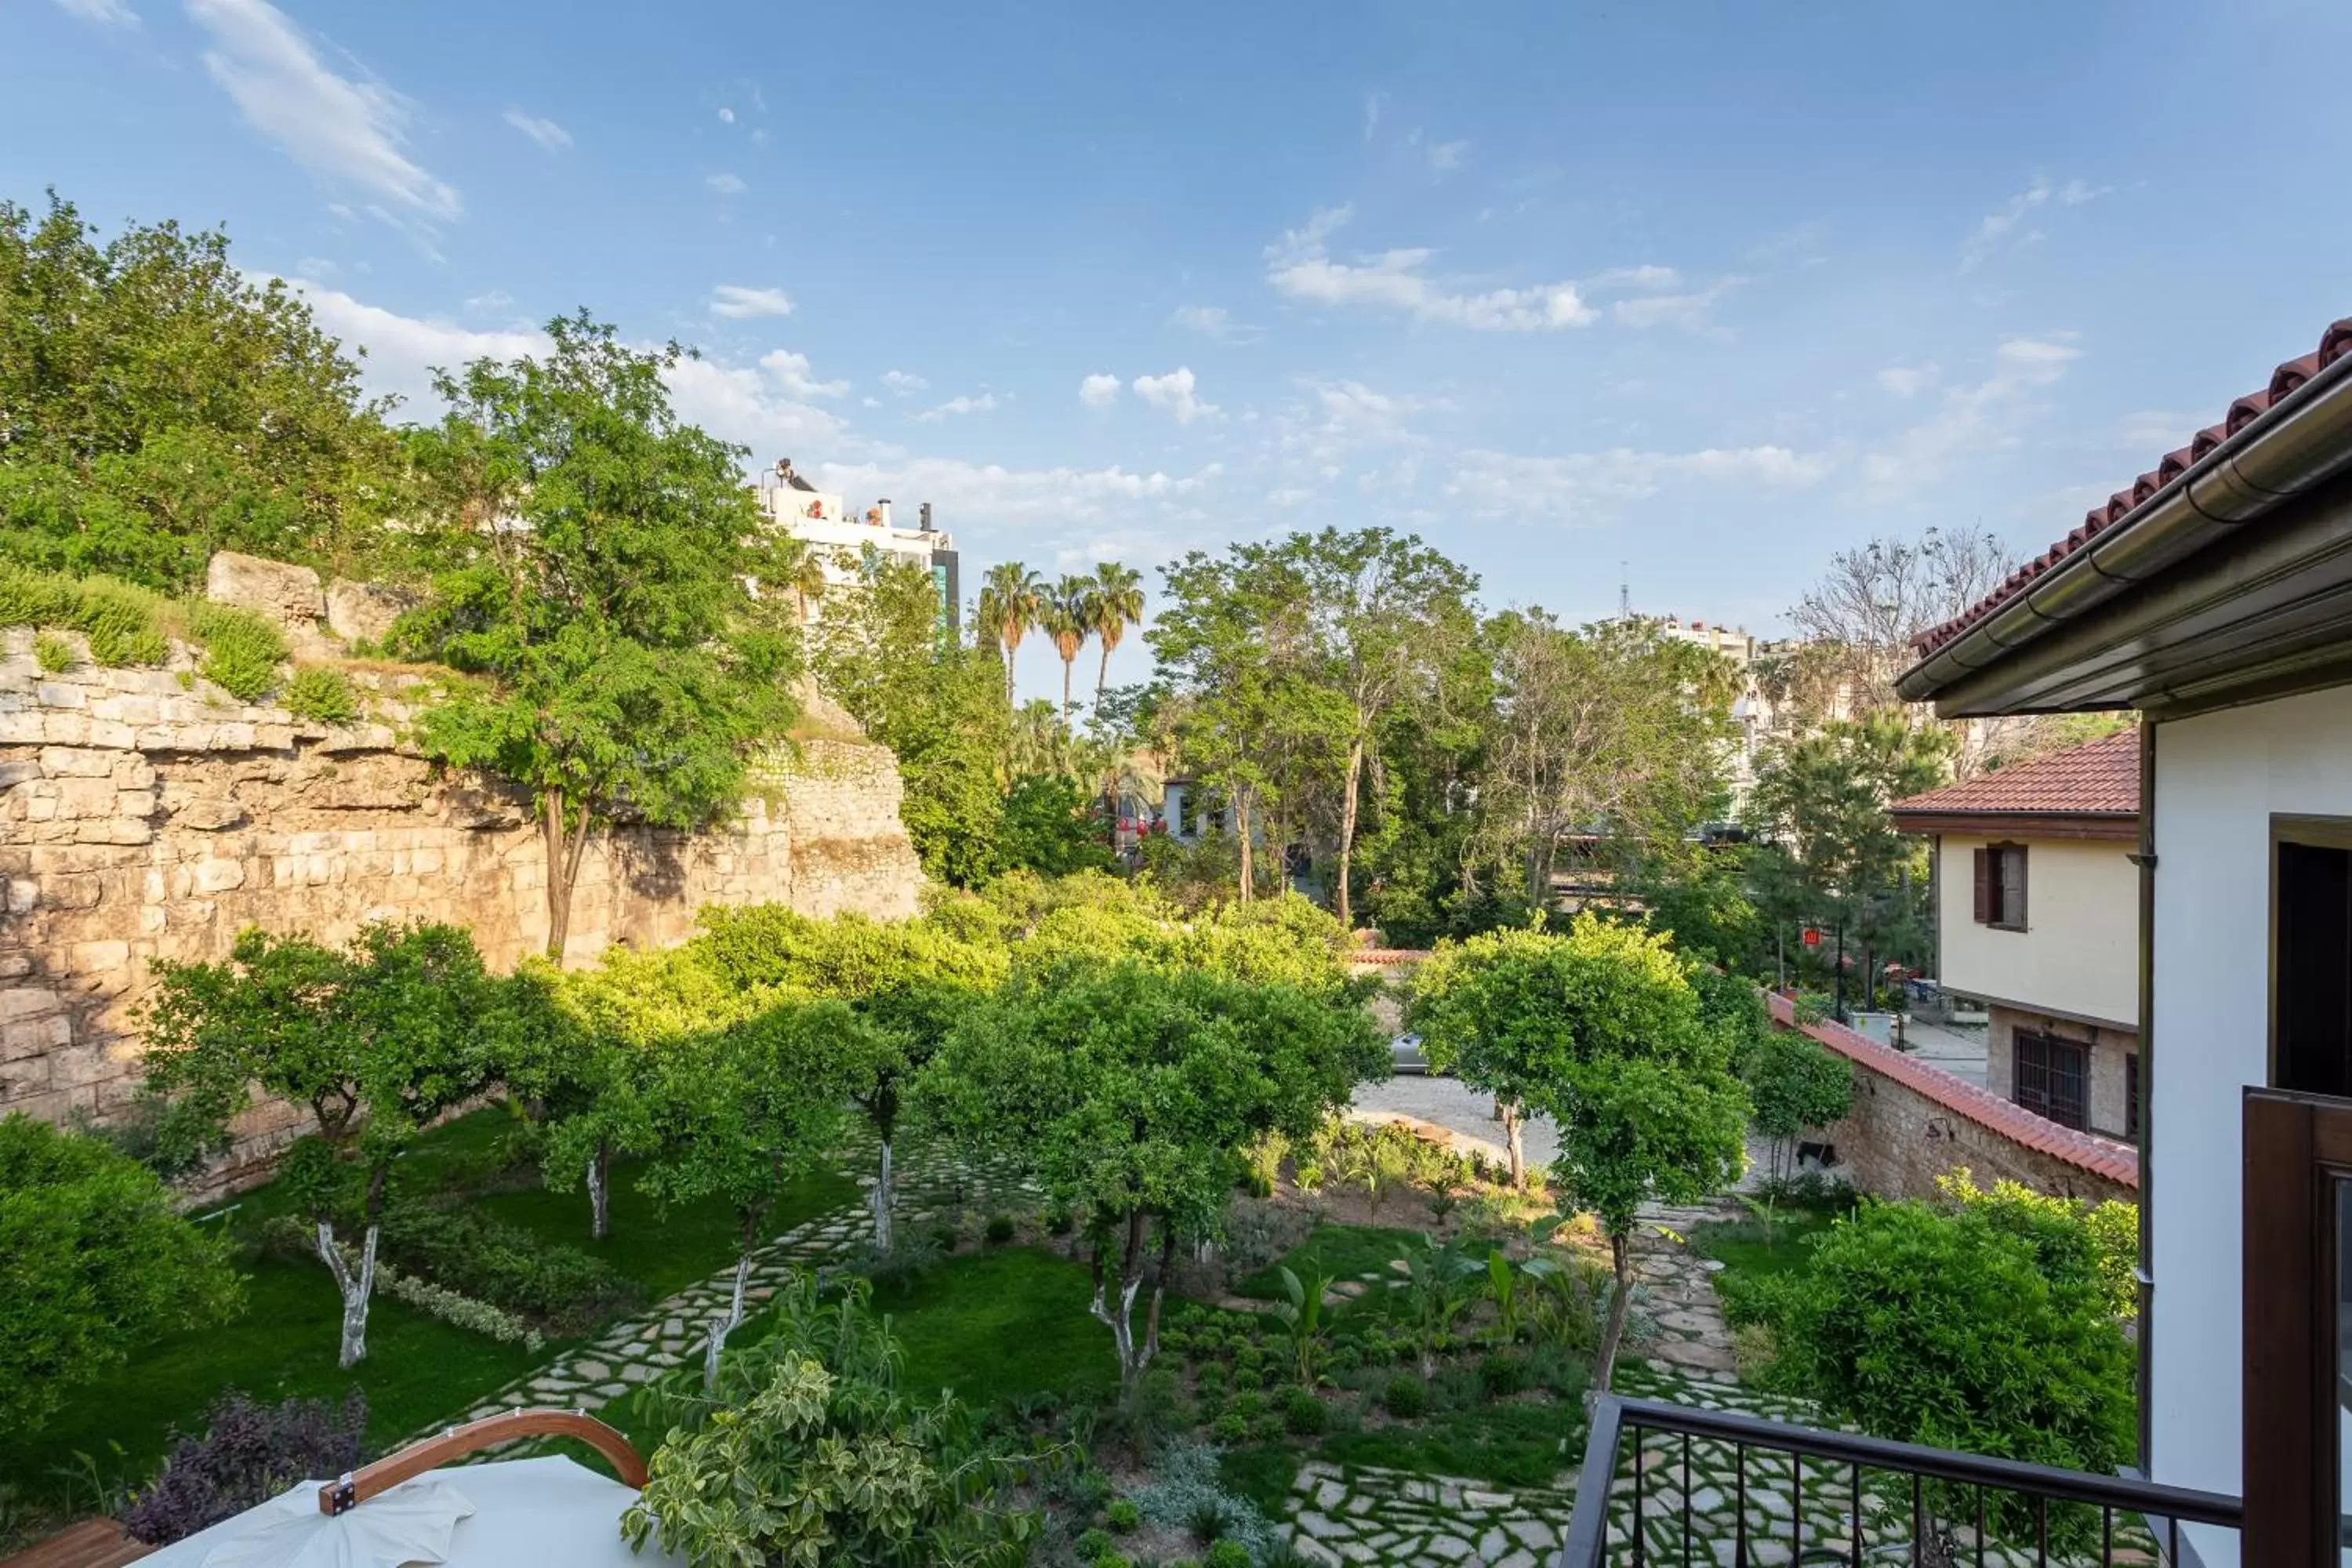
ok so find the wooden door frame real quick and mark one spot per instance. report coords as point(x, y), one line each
point(2295, 1147)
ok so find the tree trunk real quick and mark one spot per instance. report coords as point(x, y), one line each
point(600, 1202)
point(355, 1288)
point(1614, 1332)
point(1102, 677)
point(1348, 793)
point(722, 1327)
point(565, 847)
point(1515, 1136)
point(1242, 824)
point(882, 1199)
point(1010, 648)
point(1069, 663)
point(1133, 1357)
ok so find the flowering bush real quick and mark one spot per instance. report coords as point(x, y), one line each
point(248, 1454)
point(459, 1311)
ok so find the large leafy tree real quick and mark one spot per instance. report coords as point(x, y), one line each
point(806, 1452)
point(739, 1113)
point(95, 1261)
point(374, 1041)
point(1129, 1092)
point(1833, 854)
point(1602, 1028)
point(1615, 732)
point(158, 404)
point(595, 554)
point(936, 703)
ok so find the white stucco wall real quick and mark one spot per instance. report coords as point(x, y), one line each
point(2080, 953)
point(2219, 781)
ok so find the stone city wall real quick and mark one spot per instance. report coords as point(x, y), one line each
point(146, 815)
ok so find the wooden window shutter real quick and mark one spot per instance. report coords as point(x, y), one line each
point(2016, 917)
point(1984, 884)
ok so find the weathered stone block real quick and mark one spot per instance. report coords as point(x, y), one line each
point(77, 763)
point(208, 815)
point(287, 595)
point(363, 611)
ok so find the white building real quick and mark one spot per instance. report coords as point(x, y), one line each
point(850, 544)
point(2037, 914)
point(1761, 719)
point(2214, 595)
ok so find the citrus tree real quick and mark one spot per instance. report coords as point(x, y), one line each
point(374, 1041)
point(1129, 1092)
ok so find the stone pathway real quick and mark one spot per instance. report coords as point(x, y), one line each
point(1371, 1515)
point(1678, 1319)
point(675, 1330)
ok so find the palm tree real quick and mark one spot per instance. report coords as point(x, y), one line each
point(1009, 601)
point(1118, 605)
point(805, 575)
point(1069, 616)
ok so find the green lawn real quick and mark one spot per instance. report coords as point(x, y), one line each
point(1002, 1323)
point(1517, 1444)
point(419, 1371)
point(1742, 1246)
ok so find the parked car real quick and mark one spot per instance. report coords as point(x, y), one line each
point(1404, 1054)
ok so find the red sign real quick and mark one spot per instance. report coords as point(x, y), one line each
point(1812, 937)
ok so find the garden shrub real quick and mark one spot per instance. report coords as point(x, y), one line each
point(1406, 1396)
point(1795, 1082)
point(1303, 1415)
point(323, 695)
point(1094, 1544)
point(248, 1454)
point(1988, 1330)
point(95, 1261)
point(559, 1289)
point(1000, 1228)
point(1123, 1516)
point(1186, 1493)
point(912, 1254)
point(2057, 1228)
point(122, 622)
point(1229, 1554)
point(242, 650)
point(1503, 1373)
point(1230, 1428)
point(1248, 1377)
point(53, 654)
point(457, 1310)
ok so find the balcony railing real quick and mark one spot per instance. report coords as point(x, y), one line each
point(1674, 1486)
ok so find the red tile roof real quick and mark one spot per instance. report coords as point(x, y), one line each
point(2334, 345)
point(2101, 1156)
point(2098, 778)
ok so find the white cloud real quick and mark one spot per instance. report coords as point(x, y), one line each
point(792, 374)
point(726, 116)
point(1016, 497)
point(741, 302)
point(1909, 380)
point(1374, 102)
point(959, 404)
point(1996, 230)
point(1975, 419)
point(2156, 430)
point(317, 267)
point(343, 130)
point(1445, 157)
point(1214, 321)
point(104, 12)
point(754, 406)
point(1647, 276)
point(726, 185)
point(1689, 310)
point(1298, 265)
point(546, 133)
point(1099, 390)
point(1174, 394)
point(403, 351)
point(1583, 484)
point(495, 299)
point(903, 384)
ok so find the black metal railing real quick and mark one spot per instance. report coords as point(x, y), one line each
point(1673, 1485)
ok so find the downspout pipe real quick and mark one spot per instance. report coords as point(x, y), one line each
point(2300, 442)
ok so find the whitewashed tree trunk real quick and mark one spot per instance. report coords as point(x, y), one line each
point(1132, 1357)
point(355, 1288)
point(600, 1203)
point(722, 1327)
point(1514, 1132)
point(883, 1200)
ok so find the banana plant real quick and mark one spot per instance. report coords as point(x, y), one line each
point(1503, 1285)
point(1438, 1287)
point(1302, 1316)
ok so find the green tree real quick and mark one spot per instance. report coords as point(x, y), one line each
point(595, 554)
point(1130, 1094)
point(805, 1451)
point(95, 1261)
point(1602, 1029)
point(739, 1112)
point(1051, 829)
point(1118, 604)
point(568, 1067)
point(1795, 1083)
point(1010, 599)
point(1833, 855)
point(157, 405)
point(376, 1041)
point(1068, 618)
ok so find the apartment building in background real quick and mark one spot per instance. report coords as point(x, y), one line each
point(850, 544)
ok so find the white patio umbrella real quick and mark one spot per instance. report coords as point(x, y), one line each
point(512, 1514)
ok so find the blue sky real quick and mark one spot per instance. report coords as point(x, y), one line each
point(1711, 290)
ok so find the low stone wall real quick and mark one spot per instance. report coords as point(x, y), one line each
point(146, 815)
point(1913, 1123)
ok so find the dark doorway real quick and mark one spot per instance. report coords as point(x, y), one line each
point(2311, 980)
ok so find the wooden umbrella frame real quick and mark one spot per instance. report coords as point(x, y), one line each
point(355, 1487)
